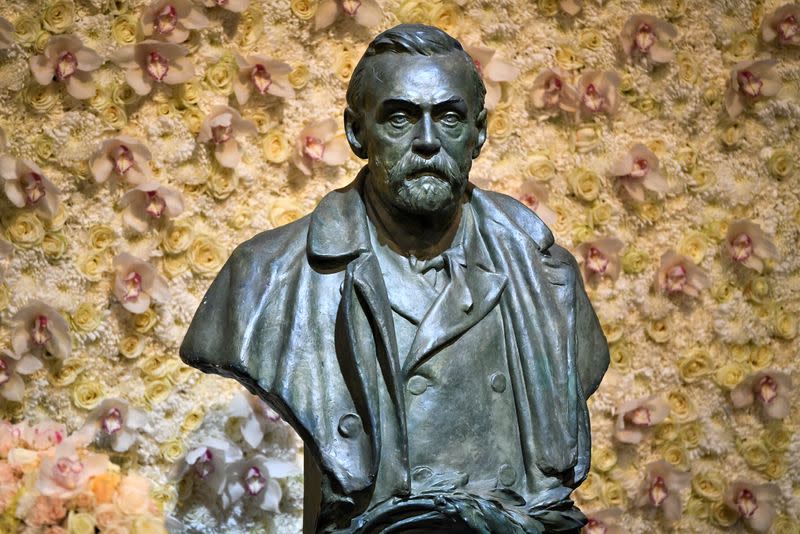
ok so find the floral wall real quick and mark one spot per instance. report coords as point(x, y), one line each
point(142, 141)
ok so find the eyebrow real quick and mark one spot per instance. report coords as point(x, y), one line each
point(400, 103)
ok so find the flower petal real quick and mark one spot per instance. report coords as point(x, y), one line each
point(227, 153)
point(326, 14)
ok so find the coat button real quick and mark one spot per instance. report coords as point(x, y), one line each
point(421, 473)
point(417, 385)
point(349, 425)
point(498, 381)
point(506, 475)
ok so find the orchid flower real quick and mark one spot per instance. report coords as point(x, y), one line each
point(661, 488)
point(256, 415)
point(535, 197)
point(150, 203)
point(772, 389)
point(12, 387)
point(115, 422)
point(636, 416)
point(600, 258)
point(319, 143)
point(598, 92)
point(151, 62)
point(209, 462)
point(782, 24)
point(234, 6)
point(493, 70)
point(10, 437)
point(551, 90)
point(123, 157)
point(66, 60)
point(751, 81)
point(637, 170)
point(365, 12)
point(25, 185)
point(64, 473)
point(603, 522)
point(40, 330)
point(265, 75)
point(753, 502)
point(221, 127)
point(6, 34)
point(679, 274)
point(171, 20)
point(747, 244)
point(137, 283)
point(43, 435)
point(253, 479)
point(571, 7)
point(648, 36)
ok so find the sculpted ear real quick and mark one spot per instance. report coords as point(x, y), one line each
point(480, 124)
point(353, 129)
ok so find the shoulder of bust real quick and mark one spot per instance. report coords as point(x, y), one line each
point(512, 213)
point(274, 245)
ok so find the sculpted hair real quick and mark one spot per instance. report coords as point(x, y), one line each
point(410, 39)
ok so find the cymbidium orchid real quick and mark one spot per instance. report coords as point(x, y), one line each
point(64, 473)
point(6, 34)
point(493, 70)
point(252, 480)
point(603, 522)
point(637, 170)
point(365, 12)
point(171, 20)
point(319, 143)
point(221, 128)
point(255, 415)
point(43, 435)
point(40, 330)
point(10, 437)
point(782, 25)
point(552, 90)
point(264, 74)
point(26, 185)
point(748, 245)
point(12, 365)
point(114, 422)
point(636, 416)
point(535, 196)
point(66, 60)
point(771, 389)
point(209, 463)
point(598, 92)
point(234, 6)
point(150, 203)
point(679, 274)
point(661, 488)
point(755, 503)
point(571, 7)
point(137, 283)
point(122, 157)
point(151, 62)
point(599, 258)
point(647, 36)
point(751, 81)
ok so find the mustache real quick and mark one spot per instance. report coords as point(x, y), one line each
point(411, 165)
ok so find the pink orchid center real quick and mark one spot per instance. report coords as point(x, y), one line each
point(640, 168)
point(67, 472)
point(254, 481)
point(133, 286)
point(157, 66)
point(767, 389)
point(645, 38)
point(741, 247)
point(66, 65)
point(593, 526)
point(40, 334)
point(112, 421)
point(261, 78)
point(531, 200)
point(5, 375)
point(675, 279)
point(479, 66)
point(640, 416)
point(596, 261)
point(552, 90)
point(155, 204)
point(123, 159)
point(314, 148)
point(592, 98)
point(33, 183)
point(658, 491)
point(746, 503)
point(351, 6)
point(221, 133)
point(222, 2)
point(166, 20)
point(749, 83)
point(788, 28)
point(204, 465)
point(52, 437)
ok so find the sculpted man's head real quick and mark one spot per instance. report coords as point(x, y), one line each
point(415, 111)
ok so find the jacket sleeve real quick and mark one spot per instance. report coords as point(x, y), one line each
point(592, 353)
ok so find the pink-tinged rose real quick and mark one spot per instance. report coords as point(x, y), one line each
point(44, 435)
point(661, 488)
point(265, 75)
point(748, 245)
point(133, 495)
point(599, 258)
point(494, 70)
point(150, 204)
point(535, 196)
point(603, 522)
point(114, 423)
point(151, 62)
point(66, 60)
point(637, 170)
point(755, 503)
point(679, 274)
point(319, 144)
point(770, 389)
point(137, 283)
point(750, 82)
point(26, 185)
point(598, 92)
point(234, 6)
point(255, 415)
point(552, 90)
point(40, 330)
point(171, 20)
point(64, 473)
point(10, 437)
point(782, 25)
point(648, 36)
point(209, 463)
point(107, 515)
point(634, 417)
point(45, 511)
point(253, 480)
point(571, 7)
point(365, 12)
point(6, 34)
point(12, 387)
point(122, 157)
point(221, 128)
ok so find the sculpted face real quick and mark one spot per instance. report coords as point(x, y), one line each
point(421, 129)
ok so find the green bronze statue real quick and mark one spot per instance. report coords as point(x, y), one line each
point(428, 340)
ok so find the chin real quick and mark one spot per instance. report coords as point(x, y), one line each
point(427, 194)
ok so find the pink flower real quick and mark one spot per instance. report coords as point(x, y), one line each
point(679, 274)
point(43, 435)
point(45, 511)
point(10, 437)
point(65, 473)
point(750, 82)
point(253, 480)
point(133, 495)
point(114, 422)
point(535, 197)
point(637, 170)
point(256, 415)
point(748, 245)
point(152, 62)
point(265, 75)
point(493, 70)
point(551, 90)
point(598, 92)
point(171, 20)
point(221, 128)
point(6, 34)
point(571, 7)
point(234, 6)
point(319, 143)
point(365, 12)
point(137, 282)
point(123, 157)
point(39, 330)
point(150, 203)
point(782, 24)
point(661, 488)
point(603, 522)
point(648, 36)
point(66, 60)
point(600, 258)
point(12, 387)
point(753, 502)
point(25, 185)
point(636, 416)
point(209, 463)
point(772, 389)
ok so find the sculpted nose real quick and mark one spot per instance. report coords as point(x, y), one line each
point(426, 143)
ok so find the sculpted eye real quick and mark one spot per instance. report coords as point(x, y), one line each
point(450, 118)
point(398, 120)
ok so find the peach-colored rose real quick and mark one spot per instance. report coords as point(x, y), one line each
point(661, 488)
point(319, 143)
point(679, 274)
point(770, 388)
point(599, 258)
point(40, 330)
point(26, 185)
point(748, 245)
point(150, 204)
point(221, 128)
point(648, 36)
point(234, 6)
point(782, 25)
point(123, 157)
point(637, 170)
point(107, 515)
point(494, 70)
point(598, 92)
point(365, 12)
point(751, 81)
point(151, 62)
point(552, 90)
point(46, 510)
point(264, 74)
point(66, 60)
point(137, 283)
point(133, 495)
point(171, 20)
point(104, 486)
point(755, 503)
point(634, 417)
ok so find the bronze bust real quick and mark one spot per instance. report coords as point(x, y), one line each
point(428, 340)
